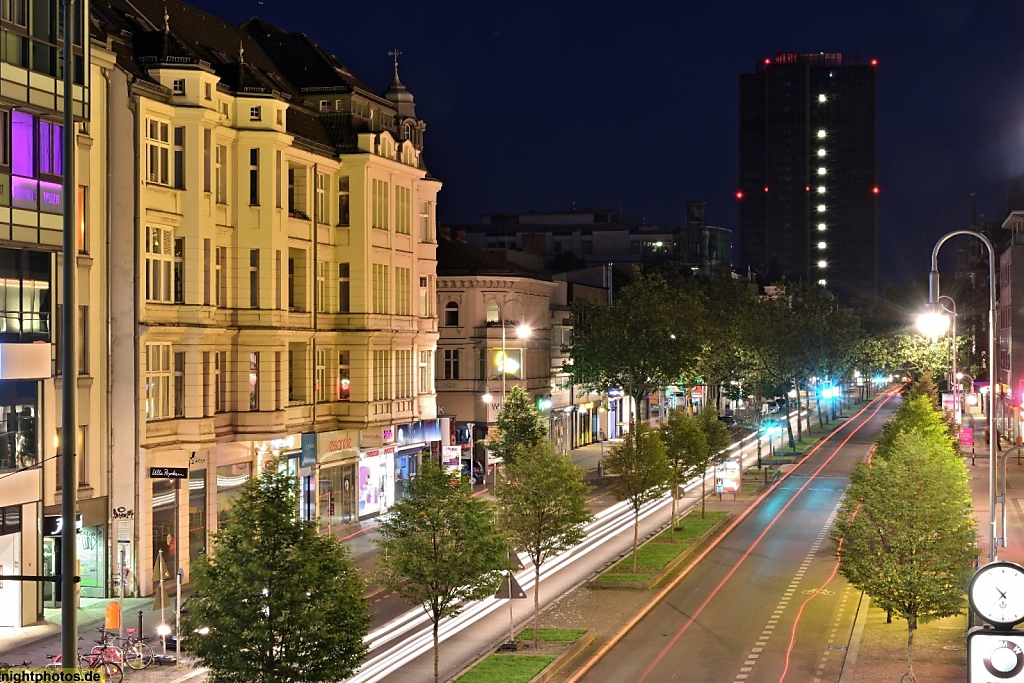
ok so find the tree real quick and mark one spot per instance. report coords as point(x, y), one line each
point(543, 508)
point(686, 446)
point(281, 603)
point(716, 441)
point(520, 426)
point(643, 472)
point(916, 414)
point(905, 532)
point(441, 547)
point(648, 338)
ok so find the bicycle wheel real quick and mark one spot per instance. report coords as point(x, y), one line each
point(138, 655)
point(114, 672)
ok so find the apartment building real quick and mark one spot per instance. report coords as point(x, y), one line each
point(272, 279)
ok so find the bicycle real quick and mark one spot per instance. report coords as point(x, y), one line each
point(91, 661)
point(135, 651)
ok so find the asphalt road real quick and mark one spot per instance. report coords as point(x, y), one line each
point(767, 603)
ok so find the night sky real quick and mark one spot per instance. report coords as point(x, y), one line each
point(632, 105)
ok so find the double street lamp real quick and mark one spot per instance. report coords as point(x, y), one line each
point(505, 364)
point(933, 307)
point(934, 325)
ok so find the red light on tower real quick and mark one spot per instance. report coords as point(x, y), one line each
point(765, 188)
point(739, 194)
point(807, 188)
point(875, 190)
point(874, 62)
point(767, 61)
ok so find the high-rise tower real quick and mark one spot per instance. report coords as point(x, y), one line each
point(807, 186)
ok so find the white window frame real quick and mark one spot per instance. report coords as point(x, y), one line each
point(256, 113)
point(403, 291)
point(158, 152)
point(160, 265)
point(320, 389)
point(159, 380)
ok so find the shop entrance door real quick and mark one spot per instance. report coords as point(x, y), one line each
point(51, 567)
point(10, 591)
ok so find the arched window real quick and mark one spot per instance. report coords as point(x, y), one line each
point(493, 312)
point(451, 314)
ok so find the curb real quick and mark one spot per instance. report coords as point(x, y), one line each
point(565, 659)
point(853, 646)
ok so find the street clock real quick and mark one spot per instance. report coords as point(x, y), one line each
point(996, 593)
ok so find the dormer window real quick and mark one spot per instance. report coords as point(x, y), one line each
point(325, 106)
point(208, 91)
point(255, 114)
point(280, 117)
point(178, 86)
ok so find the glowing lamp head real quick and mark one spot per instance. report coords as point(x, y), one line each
point(932, 324)
point(523, 331)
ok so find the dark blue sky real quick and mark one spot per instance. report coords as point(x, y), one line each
point(632, 106)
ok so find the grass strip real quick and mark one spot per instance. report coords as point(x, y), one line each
point(507, 668)
point(659, 551)
point(553, 635)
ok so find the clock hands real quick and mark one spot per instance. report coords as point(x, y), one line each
point(1001, 593)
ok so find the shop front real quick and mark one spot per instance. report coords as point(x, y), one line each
point(376, 470)
point(336, 490)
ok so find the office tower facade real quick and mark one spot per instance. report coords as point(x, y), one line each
point(807, 172)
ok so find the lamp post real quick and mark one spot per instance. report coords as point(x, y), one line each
point(522, 332)
point(934, 324)
point(933, 297)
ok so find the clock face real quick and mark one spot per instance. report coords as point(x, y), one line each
point(997, 593)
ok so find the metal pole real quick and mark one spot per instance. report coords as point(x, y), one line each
point(933, 295)
point(69, 376)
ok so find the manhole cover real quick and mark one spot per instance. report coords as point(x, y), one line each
point(836, 647)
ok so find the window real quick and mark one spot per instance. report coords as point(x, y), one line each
point(325, 105)
point(178, 86)
point(403, 291)
point(159, 377)
point(277, 180)
point(321, 286)
point(254, 278)
point(255, 113)
point(207, 159)
point(25, 299)
point(344, 376)
point(423, 385)
point(51, 158)
point(426, 222)
point(158, 151)
point(344, 285)
point(451, 364)
point(220, 278)
point(81, 458)
point(321, 198)
point(179, 270)
point(493, 313)
point(424, 296)
point(380, 288)
point(161, 262)
point(297, 373)
point(403, 373)
point(83, 340)
point(297, 192)
point(381, 375)
point(254, 380)
point(298, 284)
point(343, 198)
point(5, 135)
point(81, 204)
point(320, 389)
point(207, 91)
point(220, 170)
point(254, 177)
point(220, 384)
point(179, 384)
point(403, 210)
point(278, 280)
point(379, 215)
point(451, 314)
point(207, 272)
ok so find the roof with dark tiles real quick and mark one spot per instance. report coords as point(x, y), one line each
point(455, 258)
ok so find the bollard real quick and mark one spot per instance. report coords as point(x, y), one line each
point(140, 623)
point(600, 469)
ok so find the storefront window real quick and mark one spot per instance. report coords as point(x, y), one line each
point(164, 491)
point(196, 513)
point(91, 559)
point(339, 497)
point(230, 480)
point(18, 443)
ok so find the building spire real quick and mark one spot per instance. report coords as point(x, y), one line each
point(395, 53)
point(167, 21)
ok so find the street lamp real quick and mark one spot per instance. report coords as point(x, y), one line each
point(934, 325)
point(933, 305)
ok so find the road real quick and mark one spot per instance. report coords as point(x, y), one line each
point(766, 604)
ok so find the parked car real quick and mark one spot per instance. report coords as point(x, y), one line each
point(727, 419)
point(477, 476)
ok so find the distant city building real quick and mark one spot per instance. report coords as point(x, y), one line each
point(585, 237)
point(807, 173)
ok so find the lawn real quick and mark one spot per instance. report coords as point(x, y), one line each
point(553, 635)
point(659, 551)
point(510, 668)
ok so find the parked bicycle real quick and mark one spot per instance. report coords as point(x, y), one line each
point(91, 660)
point(136, 653)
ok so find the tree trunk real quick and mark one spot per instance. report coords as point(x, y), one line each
point(636, 535)
point(911, 626)
point(799, 425)
point(703, 490)
point(437, 678)
point(536, 603)
point(675, 492)
point(820, 423)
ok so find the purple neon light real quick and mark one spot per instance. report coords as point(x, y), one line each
point(22, 148)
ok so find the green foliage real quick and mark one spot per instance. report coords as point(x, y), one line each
point(916, 416)
point(543, 508)
point(281, 602)
point(924, 385)
point(507, 668)
point(716, 440)
point(654, 555)
point(686, 447)
point(520, 426)
point(642, 470)
point(905, 532)
point(440, 547)
point(648, 338)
